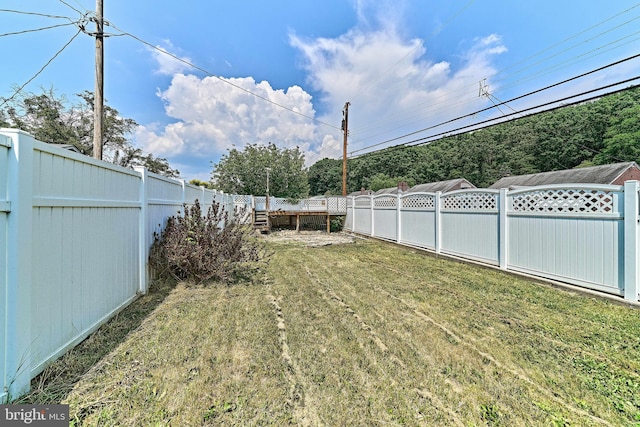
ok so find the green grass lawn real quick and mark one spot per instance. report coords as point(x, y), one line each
point(358, 334)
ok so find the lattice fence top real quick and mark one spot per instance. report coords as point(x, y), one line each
point(337, 204)
point(418, 201)
point(241, 199)
point(564, 200)
point(385, 202)
point(362, 202)
point(476, 201)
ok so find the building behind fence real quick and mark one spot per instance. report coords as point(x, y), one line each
point(75, 235)
point(585, 235)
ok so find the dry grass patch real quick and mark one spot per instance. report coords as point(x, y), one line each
point(370, 334)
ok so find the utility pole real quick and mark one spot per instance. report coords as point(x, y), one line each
point(345, 131)
point(98, 96)
point(267, 202)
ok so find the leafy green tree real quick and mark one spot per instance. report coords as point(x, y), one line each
point(325, 177)
point(245, 172)
point(50, 118)
point(200, 183)
point(622, 139)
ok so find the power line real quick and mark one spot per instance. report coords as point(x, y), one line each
point(502, 103)
point(599, 50)
point(39, 29)
point(73, 8)
point(4, 101)
point(222, 79)
point(453, 132)
point(35, 14)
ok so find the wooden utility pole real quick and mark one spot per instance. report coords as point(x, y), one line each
point(98, 96)
point(345, 131)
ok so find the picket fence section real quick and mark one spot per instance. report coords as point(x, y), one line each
point(584, 235)
point(75, 235)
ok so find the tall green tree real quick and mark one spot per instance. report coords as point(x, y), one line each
point(602, 131)
point(245, 172)
point(53, 119)
point(325, 177)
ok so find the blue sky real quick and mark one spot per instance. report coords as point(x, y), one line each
point(404, 65)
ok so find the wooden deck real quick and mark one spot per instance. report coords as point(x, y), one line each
point(297, 215)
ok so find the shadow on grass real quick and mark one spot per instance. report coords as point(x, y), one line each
point(56, 382)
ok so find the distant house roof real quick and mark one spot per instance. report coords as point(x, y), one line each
point(615, 173)
point(390, 190)
point(69, 147)
point(444, 186)
point(361, 193)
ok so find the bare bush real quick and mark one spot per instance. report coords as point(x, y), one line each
point(202, 248)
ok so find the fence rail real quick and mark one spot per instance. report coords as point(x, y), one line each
point(75, 235)
point(585, 235)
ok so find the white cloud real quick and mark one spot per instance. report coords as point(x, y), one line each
point(165, 57)
point(393, 86)
point(214, 114)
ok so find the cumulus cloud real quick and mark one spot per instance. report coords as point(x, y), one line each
point(393, 85)
point(165, 57)
point(215, 114)
point(390, 81)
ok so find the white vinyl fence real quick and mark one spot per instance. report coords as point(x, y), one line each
point(75, 235)
point(334, 205)
point(585, 235)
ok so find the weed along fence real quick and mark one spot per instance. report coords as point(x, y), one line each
point(75, 235)
point(585, 235)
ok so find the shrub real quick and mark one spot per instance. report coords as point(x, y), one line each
point(211, 247)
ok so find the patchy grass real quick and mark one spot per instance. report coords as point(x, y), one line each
point(367, 333)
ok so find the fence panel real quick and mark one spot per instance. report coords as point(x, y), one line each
point(362, 214)
point(78, 204)
point(573, 234)
point(418, 220)
point(5, 207)
point(470, 224)
point(348, 221)
point(385, 212)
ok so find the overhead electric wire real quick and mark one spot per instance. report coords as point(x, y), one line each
point(502, 103)
point(572, 37)
point(39, 29)
point(125, 33)
point(71, 7)
point(435, 137)
point(19, 89)
point(36, 14)
point(599, 50)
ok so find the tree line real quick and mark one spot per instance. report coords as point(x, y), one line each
point(593, 133)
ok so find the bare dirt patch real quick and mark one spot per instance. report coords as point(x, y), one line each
point(309, 238)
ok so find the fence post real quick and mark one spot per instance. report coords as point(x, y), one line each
point(17, 345)
point(503, 240)
point(631, 266)
point(143, 251)
point(372, 215)
point(353, 212)
point(438, 223)
point(398, 220)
